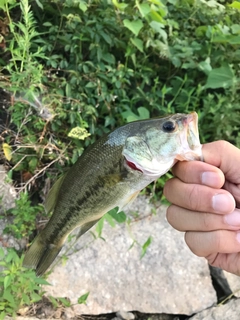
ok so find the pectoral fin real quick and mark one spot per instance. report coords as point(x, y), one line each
point(129, 200)
point(84, 228)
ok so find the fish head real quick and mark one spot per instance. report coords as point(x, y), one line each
point(158, 144)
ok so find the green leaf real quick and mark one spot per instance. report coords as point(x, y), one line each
point(83, 6)
point(53, 301)
point(2, 254)
point(65, 302)
point(83, 298)
point(106, 37)
point(7, 281)
point(235, 40)
point(32, 164)
point(157, 2)
point(235, 5)
point(205, 66)
point(8, 296)
point(158, 27)
point(235, 28)
point(39, 4)
point(130, 116)
point(90, 85)
point(3, 4)
point(108, 58)
point(135, 26)
point(145, 246)
point(222, 77)
point(118, 216)
point(68, 90)
point(35, 297)
point(25, 298)
point(99, 227)
point(120, 6)
point(156, 17)
point(137, 43)
point(143, 113)
point(232, 39)
point(109, 219)
point(144, 8)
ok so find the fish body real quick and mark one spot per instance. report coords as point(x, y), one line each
point(109, 174)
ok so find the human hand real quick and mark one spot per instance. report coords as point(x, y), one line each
point(205, 199)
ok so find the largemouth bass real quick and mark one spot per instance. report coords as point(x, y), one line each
point(109, 174)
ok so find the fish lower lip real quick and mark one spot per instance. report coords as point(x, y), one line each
point(132, 165)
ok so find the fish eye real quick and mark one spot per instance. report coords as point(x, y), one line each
point(168, 126)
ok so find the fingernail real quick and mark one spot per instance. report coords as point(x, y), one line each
point(210, 178)
point(233, 218)
point(223, 203)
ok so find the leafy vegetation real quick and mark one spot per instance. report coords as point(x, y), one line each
point(18, 286)
point(24, 217)
point(73, 70)
point(93, 65)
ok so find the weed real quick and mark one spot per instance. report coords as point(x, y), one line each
point(24, 217)
point(18, 286)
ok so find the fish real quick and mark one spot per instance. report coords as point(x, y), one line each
point(110, 174)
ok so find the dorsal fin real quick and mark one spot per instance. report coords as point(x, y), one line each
point(53, 194)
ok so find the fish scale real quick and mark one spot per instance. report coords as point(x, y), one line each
point(109, 174)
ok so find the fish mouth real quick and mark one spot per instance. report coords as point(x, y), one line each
point(189, 137)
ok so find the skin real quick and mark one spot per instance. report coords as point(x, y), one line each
point(205, 199)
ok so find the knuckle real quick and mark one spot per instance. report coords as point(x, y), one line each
point(190, 241)
point(166, 187)
point(169, 214)
point(193, 197)
point(219, 244)
point(223, 145)
point(169, 188)
point(206, 221)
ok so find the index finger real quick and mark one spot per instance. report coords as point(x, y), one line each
point(225, 156)
point(199, 173)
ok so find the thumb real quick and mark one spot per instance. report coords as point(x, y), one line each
point(225, 156)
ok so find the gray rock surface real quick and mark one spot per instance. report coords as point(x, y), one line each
point(169, 278)
point(7, 192)
point(7, 200)
point(229, 311)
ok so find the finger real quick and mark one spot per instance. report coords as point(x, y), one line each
point(199, 172)
point(226, 261)
point(186, 220)
point(204, 244)
point(197, 197)
point(225, 156)
point(234, 189)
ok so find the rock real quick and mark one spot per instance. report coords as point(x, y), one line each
point(228, 311)
point(7, 192)
point(168, 279)
point(125, 315)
